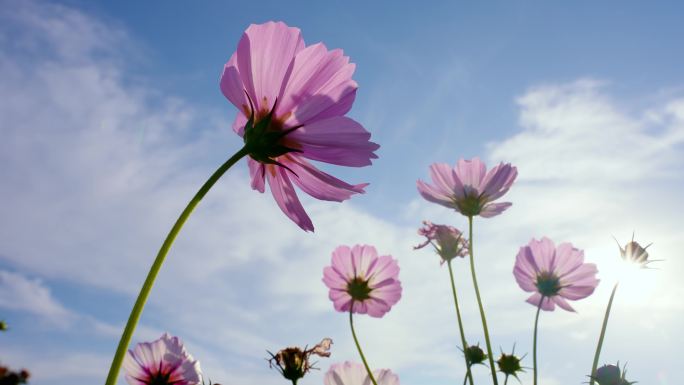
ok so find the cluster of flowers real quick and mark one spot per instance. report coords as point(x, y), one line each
point(292, 100)
point(10, 377)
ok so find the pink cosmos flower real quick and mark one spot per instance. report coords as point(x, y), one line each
point(161, 362)
point(360, 277)
point(554, 273)
point(292, 99)
point(448, 241)
point(468, 188)
point(352, 373)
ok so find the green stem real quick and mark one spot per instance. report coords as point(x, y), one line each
point(534, 342)
point(603, 334)
point(460, 323)
point(465, 378)
point(154, 270)
point(363, 358)
point(479, 301)
point(506, 380)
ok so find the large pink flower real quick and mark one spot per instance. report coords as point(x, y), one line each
point(352, 373)
point(554, 273)
point(292, 99)
point(161, 362)
point(468, 187)
point(359, 276)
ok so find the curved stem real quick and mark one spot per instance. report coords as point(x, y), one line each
point(602, 335)
point(506, 380)
point(479, 301)
point(363, 358)
point(469, 375)
point(534, 341)
point(156, 266)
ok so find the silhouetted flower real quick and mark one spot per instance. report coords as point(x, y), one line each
point(611, 375)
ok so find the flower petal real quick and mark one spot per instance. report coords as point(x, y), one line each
point(494, 209)
point(319, 184)
point(264, 58)
point(320, 83)
point(257, 171)
point(286, 198)
point(337, 140)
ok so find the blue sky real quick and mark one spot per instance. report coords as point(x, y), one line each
point(112, 118)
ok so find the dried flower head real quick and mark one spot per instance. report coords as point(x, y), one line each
point(448, 241)
point(293, 362)
point(633, 252)
point(3, 326)
point(475, 355)
point(611, 375)
point(509, 364)
point(9, 377)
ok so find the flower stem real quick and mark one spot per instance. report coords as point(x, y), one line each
point(506, 380)
point(603, 334)
point(534, 341)
point(156, 266)
point(363, 358)
point(460, 324)
point(479, 301)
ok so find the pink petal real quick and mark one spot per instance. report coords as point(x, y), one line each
point(562, 303)
point(257, 172)
point(494, 209)
point(445, 179)
point(337, 140)
point(498, 180)
point(286, 198)
point(319, 184)
point(264, 58)
point(471, 172)
point(232, 87)
point(434, 195)
point(547, 304)
point(320, 79)
point(239, 124)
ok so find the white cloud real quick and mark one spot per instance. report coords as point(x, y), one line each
point(30, 295)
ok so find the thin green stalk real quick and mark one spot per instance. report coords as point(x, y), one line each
point(156, 266)
point(534, 341)
point(469, 375)
point(479, 301)
point(465, 378)
point(363, 358)
point(603, 334)
point(506, 380)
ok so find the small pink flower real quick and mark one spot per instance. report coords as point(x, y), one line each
point(352, 373)
point(292, 99)
point(554, 273)
point(359, 276)
point(161, 362)
point(468, 188)
point(448, 241)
